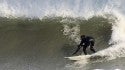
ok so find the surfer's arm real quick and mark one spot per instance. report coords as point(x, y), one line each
point(82, 43)
point(79, 46)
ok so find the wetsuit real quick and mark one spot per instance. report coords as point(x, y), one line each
point(85, 42)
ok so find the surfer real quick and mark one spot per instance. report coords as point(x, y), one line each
point(85, 42)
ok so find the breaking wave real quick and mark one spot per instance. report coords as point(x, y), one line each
point(61, 22)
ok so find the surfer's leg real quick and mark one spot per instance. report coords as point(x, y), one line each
point(92, 49)
point(84, 50)
point(77, 49)
point(91, 46)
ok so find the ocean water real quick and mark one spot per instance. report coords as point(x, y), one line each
point(38, 35)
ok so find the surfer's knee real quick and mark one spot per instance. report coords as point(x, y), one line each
point(92, 49)
point(92, 43)
point(84, 50)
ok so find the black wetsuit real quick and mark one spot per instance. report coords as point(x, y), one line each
point(85, 42)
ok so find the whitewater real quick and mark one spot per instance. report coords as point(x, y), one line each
point(27, 25)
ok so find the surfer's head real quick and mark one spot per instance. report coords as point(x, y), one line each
point(82, 36)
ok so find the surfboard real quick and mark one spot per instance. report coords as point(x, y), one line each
point(77, 58)
point(87, 57)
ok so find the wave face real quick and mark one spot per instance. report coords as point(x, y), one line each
point(50, 29)
point(46, 42)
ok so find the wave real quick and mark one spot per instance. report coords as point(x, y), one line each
point(67, 30)
point(60, 23)
point(116, 50)
point(70, 27)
